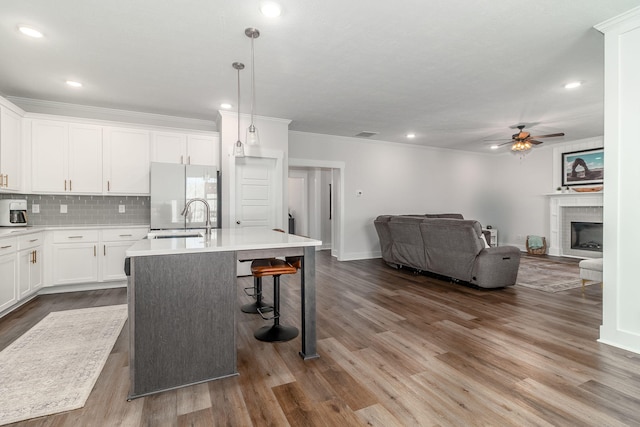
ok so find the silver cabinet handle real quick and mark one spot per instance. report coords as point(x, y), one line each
point(5, 247)
point(126, 235)
point(75, 237)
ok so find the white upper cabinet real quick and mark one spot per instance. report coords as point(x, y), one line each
point(169, 147)
point(185, 149)
point(49, 147)
point(126, 161)
point(10, 143)
point(203, 150)
point(66, 157)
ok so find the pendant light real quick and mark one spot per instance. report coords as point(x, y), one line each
point(238, 149)
point(252, 133)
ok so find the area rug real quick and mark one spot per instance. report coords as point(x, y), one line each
point(547, 275)
point(53, 367)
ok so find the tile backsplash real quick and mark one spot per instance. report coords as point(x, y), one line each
point(85, 210)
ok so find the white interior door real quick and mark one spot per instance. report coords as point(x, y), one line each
point(255, 193)
point(255, 204)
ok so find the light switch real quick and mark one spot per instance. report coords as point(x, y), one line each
point(35, 208)
point(63, 208)
point(121, 208)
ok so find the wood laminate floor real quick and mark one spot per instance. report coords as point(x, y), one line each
point(397, 349)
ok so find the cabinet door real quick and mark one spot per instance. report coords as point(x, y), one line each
point(75, 263)
point(169, 148)
point(10, 143)
point(202, 150)
point(126, 161)
point(25, 258)
point(113, 254)
point(85, 159)
point(49, 146)
point(8, 274)
point(36, 271)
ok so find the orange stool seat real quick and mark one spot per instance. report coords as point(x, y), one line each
point(273, 267)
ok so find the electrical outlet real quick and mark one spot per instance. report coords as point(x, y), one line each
point(121, 208)
point(35, 208)
point(63, 208)
point(519, 238)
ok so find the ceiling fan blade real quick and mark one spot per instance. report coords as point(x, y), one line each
point(505, 143)
point(534, 142)
point(549, 136)
point(523, 135)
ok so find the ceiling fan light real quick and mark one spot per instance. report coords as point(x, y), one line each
point(521, 146)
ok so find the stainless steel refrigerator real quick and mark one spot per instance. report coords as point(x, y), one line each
point(172, 185)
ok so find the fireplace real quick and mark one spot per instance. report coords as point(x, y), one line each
point(586, 236)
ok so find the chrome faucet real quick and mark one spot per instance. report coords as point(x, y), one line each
point(208, 213)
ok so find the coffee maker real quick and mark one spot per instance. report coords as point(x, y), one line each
point(13, 213)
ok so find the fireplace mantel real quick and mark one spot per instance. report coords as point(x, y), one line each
point(557, 201)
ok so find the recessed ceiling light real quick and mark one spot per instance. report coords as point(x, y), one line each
point(225, 106)
point(31, 32)
point(572, 85)
point(73, 83)
point(495, 147)
point(270, 9)
point(411, 135)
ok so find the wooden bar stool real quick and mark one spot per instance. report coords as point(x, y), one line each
point(273, 267)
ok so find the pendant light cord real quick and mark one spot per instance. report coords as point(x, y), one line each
point(238, 104)
point(253, 81)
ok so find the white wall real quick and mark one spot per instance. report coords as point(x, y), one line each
point(396, 179)
point(501, 190)
point(621, 294)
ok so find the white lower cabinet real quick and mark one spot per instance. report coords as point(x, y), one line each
point(30, 264)
point(82, 256)
point(8, 273)
point(75, 256)
point(114, 243)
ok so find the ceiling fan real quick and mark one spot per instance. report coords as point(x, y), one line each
point(523, 141)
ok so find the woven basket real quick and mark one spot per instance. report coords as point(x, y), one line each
point(538, 251)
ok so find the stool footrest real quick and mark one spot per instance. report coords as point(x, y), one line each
point(253, 293)
point(268, 309)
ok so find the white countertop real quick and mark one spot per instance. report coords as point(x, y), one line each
point(21, 231)
point(221, 240)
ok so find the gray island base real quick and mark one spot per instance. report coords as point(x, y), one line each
point(182, 305)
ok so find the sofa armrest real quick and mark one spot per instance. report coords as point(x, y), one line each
point(496, 267)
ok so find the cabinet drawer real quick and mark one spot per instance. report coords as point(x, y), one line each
point(8, 246)
point(30, 241)
point(122, 234)
point(75, 236)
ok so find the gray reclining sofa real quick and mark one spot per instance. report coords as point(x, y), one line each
point(448, 245)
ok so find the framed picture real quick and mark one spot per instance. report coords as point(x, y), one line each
point(583, 167)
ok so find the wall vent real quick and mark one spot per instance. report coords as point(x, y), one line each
point(365, 134)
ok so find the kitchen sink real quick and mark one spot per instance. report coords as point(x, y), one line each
point(173, 234)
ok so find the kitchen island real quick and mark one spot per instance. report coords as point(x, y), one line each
point(183, 299)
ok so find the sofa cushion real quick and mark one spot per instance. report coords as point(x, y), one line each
point(407, 247)
point(451, 246)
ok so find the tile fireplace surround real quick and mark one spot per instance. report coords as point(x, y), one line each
point(563, 208)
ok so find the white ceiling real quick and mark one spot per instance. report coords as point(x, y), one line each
point(455, 72)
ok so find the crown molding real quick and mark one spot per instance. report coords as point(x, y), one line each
point(40, 106)
point(612, 23)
